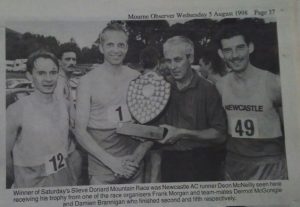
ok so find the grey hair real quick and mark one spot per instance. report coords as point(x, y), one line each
point(180, 40)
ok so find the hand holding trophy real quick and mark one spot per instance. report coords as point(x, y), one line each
point(147, 97)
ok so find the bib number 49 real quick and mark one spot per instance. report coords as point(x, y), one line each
point(244, 128)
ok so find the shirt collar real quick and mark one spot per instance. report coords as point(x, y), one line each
point(193, 83)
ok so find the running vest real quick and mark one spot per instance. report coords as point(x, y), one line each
point(44, 133)
point(251, 115)
point(107, 109)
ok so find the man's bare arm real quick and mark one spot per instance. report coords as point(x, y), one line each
point(275, 90)
point(85, 139)
point(12, 125)
point(276, 94)
point(141, 150)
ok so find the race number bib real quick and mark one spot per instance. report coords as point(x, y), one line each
point(55, 162)
point(244, 127)
point(118, 113)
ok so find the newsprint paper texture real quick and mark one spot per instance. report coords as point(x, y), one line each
point(253, 159)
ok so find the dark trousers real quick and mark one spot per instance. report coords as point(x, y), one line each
point(200, 164)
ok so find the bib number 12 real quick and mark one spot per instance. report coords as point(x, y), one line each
point(55, 163)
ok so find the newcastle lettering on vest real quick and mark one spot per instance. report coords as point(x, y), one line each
point(255, 108)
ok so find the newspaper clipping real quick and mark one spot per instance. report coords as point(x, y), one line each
point(189, 106)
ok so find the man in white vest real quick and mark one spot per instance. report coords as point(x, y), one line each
point(38, 148)
point(101, 106)
point(252, 100)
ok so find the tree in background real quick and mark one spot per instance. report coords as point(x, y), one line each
point(154, 33)
point(19, 46)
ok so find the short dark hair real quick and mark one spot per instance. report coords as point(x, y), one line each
point(210, 55)
point(149, 57)
point(232, 30)
point(112, 27)
point(40, 54)
point(68, 47)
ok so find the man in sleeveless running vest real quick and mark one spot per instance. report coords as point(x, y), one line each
point(101, 105)
point(37, 142)
point(252, 100)
point(194, 117)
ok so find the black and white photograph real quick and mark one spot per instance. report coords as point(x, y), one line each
point(143, 101)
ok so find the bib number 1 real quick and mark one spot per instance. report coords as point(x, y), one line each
point(119, 110)
point(244, 128)
point(118, 113)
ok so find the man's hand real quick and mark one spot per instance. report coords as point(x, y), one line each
point(172, 136)
point(123, 167)
point(138, 138)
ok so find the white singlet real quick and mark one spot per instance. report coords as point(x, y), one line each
point(108, 97)
point(250, 111)
point(44, 132)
